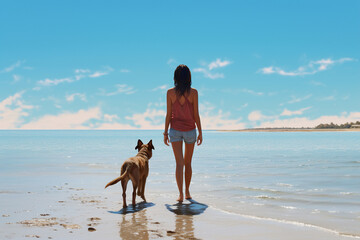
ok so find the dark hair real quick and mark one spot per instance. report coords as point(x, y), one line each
point(182, 79)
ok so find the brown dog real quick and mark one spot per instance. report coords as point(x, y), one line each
point(135, 169)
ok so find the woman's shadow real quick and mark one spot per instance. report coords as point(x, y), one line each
point(192, 208)
point(133, 209)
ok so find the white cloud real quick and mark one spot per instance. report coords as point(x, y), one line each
point(97, 74)
point(54, 82)
point(209, 74)
point(220, 121)
point(161, 104)
point(171, 61)
point(218, 63)
point(66, 120)
point(150, 119)
point(306, 122)
point(101, 73)
point(311, 68)
point(71, 97)
point(297, 99)
point(245, 105)
point(124, 70)
point(268, 70)
point(162, 87)
point(12, 111)
point(79, 74)
point(258, 116)
point(110, 118)
point(120, 88)
point(287, 112)
point(207, 70)
point(252, 92)
point(111, 123)
point(16, 78)
point(12, 67)
point(82, 70)
point(211, 120)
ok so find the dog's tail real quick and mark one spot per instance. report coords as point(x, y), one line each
point(118, 179)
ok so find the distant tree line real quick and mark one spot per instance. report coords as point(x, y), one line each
point(332, 125)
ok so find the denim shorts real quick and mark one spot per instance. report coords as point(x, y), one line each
point(188, 137)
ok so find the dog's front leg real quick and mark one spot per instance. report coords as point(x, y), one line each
point(143, 182)
point(139, 189)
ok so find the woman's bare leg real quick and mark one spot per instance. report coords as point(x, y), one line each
point(189, 150)
point(178, 153)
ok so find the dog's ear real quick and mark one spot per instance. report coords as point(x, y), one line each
point(139, 144)
point(151, 145)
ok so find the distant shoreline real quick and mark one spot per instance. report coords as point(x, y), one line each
point(295, 130)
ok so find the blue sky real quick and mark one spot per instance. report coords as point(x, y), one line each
point(108, 64)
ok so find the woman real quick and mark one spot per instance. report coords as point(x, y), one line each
point(182, 115)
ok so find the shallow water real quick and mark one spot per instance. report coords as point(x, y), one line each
point(300, 178)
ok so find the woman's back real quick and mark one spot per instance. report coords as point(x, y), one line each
point(182, 115)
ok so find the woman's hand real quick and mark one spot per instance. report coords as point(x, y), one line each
point(166, 139)
point(199, 139)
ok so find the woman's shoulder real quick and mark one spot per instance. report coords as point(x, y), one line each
point(193, 92)
point(171, 91)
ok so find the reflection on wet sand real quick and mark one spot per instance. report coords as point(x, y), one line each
point(134, 226)
point(134, 221)
point(184, 223)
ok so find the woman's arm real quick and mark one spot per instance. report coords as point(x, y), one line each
point(168, 117)
point(197, 116)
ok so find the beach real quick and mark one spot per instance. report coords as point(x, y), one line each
point(73, 211)
point(52, 187)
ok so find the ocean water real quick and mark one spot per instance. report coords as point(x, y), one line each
point(300, 178)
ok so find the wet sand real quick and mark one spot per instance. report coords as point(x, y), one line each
point(75, 211)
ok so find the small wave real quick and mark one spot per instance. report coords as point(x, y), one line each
point(347, 193)
point(265, 197)
point(290, 222)
point(8, 192)
point(284, 184)
point(354, 162)
point(258, 204)
point(315, 211)
point(263, 190)
point(289, 207)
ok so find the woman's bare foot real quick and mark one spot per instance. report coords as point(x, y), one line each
point(187, 195)
point(180, 198)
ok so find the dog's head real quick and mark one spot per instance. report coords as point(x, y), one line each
point(147, 147)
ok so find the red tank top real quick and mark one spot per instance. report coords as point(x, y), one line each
point(182, 116)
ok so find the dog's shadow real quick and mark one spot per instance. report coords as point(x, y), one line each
point(133, 209)
point(192, 208)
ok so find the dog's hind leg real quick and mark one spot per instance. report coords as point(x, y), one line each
point(135, 182)
point(134, 194)
point(124, 183)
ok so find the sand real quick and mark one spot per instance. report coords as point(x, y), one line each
point(72, 210)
